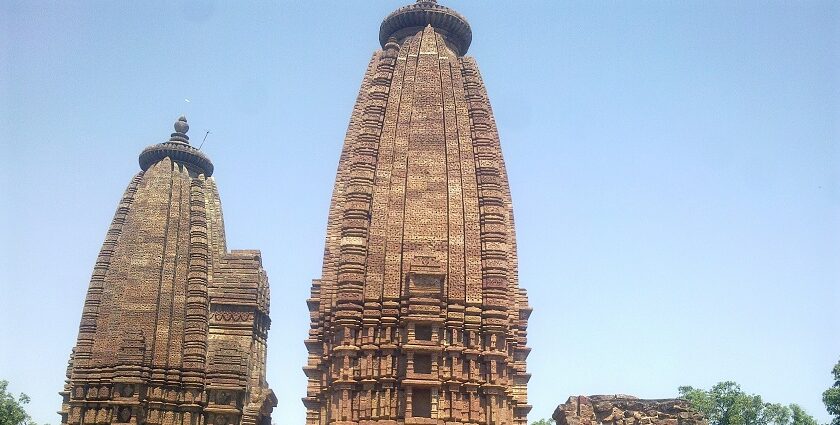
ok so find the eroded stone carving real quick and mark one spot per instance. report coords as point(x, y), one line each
point(625, 410)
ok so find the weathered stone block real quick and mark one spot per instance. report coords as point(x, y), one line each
point(625, 410)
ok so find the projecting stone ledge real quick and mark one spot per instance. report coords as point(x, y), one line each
point(623, 409)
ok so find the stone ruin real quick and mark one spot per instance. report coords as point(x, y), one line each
point(623, 409)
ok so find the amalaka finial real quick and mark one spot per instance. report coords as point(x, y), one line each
point(409, 20)
point(177, 149)
point(181, 129)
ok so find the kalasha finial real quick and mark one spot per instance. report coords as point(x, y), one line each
point(181, 125)
point(181, 129)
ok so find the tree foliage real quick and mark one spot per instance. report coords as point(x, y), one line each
point(800, 416)
point(831, 396)
point(544, 421)
point(11, 408)
point(726, 404)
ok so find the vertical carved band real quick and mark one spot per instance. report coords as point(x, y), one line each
point(358, 195)
point(90, 313)
point(493, 210)
point(195, 328)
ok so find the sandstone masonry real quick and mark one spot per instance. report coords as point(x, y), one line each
point(418, 317)
point(625, 410)
point(174, 326)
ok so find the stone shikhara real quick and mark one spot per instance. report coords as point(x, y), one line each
point(418, 316)
point(174, 326)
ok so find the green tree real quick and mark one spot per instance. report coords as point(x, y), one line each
point(777, 414)
point(726, 404)
point(800, 417)
point(543, 421)
point(831, 396)
point(11, 408)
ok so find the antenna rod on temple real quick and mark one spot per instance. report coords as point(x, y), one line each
point(205, 138)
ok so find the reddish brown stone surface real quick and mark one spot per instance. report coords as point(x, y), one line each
point(174, 326)
point(418, 317)
point(625, 410)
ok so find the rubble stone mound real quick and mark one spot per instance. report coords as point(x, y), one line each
point(623, 409)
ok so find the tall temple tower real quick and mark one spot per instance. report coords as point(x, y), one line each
point(174, 326)
point(418, 317)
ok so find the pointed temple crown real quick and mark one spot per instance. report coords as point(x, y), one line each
point(408, 20)
point(177, 149)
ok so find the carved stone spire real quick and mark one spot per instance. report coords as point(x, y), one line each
point(418, 316)
point(174, 327)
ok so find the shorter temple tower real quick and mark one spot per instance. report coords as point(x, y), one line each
point(174, 326)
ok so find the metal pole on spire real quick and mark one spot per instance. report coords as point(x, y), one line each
point(202, 141)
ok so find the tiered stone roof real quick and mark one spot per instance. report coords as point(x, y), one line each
point(174, 327)
point(418, 317)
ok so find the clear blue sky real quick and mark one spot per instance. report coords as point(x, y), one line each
point(674, 166)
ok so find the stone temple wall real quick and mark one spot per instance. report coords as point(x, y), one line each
point(625, 410)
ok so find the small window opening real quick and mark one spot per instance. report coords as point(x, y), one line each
point(423, 332)
point(422, 363)
point(421, 402)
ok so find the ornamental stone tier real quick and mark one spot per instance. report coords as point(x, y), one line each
point(418, 317)
point(174, 326)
